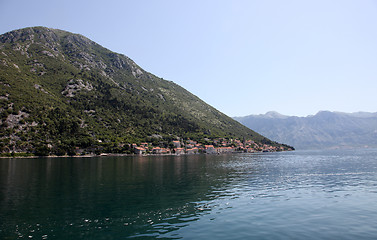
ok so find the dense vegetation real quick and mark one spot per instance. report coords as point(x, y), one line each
point(61, 91)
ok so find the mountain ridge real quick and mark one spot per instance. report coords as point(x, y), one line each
point(325, 129)
point(62, 91)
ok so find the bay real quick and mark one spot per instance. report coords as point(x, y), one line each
point(288, 195)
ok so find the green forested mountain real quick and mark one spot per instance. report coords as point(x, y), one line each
point(61, 91)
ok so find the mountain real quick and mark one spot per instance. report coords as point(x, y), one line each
point(323, 130)
point(61, 91)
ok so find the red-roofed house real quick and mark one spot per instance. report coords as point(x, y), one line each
point(180, 151)
point(140, 150)
point(194, 150)
point(156, 150)
point(210, 149)
point(177, 144)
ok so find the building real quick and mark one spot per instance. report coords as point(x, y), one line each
point(156, 150)
point(194, 150)
point(177, 144)
point(189, 146)
point(140, 150)
point(210, 149)
point(180, 151)
point(225, 150)
point(144, 145)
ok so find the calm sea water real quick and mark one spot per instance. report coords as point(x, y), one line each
point(289, 195)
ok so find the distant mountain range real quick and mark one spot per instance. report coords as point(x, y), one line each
point(61, 91)
point(324, 130)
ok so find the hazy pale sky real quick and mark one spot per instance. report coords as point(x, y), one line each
point(242, 57)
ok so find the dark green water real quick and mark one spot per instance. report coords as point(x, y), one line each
point(291, 195)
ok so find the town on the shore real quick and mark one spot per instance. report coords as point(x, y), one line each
point(218, 146)
point(174, 147)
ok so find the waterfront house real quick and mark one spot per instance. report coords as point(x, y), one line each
point(225, 150)
point(210, 149)
point(180, 151)
point(164, 151)
point(140, 150)
point(156, 150)
point(194, 150)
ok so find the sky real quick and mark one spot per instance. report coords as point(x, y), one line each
point(240, 56)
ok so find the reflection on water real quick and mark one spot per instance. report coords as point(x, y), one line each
point(60, 197)
point(278, 195)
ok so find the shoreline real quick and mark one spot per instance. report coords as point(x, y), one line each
point(126, 154)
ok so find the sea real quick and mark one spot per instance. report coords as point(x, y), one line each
point(319, 194)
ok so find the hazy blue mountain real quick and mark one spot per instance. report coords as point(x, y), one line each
point(323, 130)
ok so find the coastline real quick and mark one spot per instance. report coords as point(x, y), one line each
point(126, 154)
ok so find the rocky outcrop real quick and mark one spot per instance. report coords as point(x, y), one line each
point(76, 85)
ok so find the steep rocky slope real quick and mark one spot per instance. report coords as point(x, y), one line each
point(61, 91)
